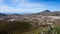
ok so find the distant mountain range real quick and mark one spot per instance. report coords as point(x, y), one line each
point(1, 14)
point(50, 13)
point(46, 13)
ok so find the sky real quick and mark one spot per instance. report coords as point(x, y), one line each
point(28, 6)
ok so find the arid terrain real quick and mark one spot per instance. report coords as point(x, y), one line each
point(29, 23)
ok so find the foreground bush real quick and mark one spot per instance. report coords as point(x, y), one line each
point(15, 26)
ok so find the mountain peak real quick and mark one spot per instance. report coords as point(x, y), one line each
point(47, 11)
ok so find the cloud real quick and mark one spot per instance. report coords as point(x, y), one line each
point(3, 6)
point(15, 1)
point(30, 5)
point(23, 1)
point(19, 6)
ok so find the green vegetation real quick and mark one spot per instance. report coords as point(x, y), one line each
point(25, 28)
point(15, 26)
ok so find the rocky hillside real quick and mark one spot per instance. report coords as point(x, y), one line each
point(23, 23)
point(37, 18)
